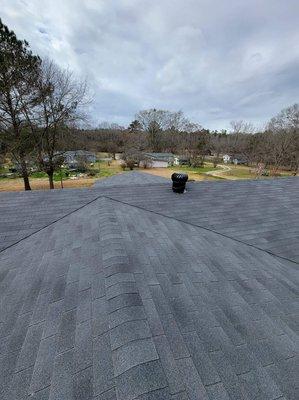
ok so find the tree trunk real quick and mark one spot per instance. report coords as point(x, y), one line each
point(51, 181)
point(25, 175)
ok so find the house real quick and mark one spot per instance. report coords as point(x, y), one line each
point(226, 158)
point(181, 160)
point(160, 160)
point(235, 159)
point(239, 159)
point(129, 291)
point(73, 158)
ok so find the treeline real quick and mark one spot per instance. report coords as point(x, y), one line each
point(40, 104)
point(277, 146)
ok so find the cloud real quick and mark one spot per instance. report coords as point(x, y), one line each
point(215, 60)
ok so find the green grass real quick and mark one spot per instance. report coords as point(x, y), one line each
point(196, 170)
point(239, 173)
point(38, 174)
point(57, 175)
point(103, 170)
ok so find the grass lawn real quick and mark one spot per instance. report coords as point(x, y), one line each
point(239, 172)
point(196, 170)
point(39, 180)
point(244, 172)
point(102, 170)
point(197, 174)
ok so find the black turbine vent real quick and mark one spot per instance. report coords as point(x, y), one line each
point(179, 182)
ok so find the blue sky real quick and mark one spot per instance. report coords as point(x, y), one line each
point(216, 60)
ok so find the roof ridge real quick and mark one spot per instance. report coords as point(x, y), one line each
point(51, 223)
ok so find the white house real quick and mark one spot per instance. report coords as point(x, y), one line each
point(226, 158)
point(160, 160)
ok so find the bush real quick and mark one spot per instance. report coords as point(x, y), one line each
point(146, 163)
point(197, 162)
point(130, 164)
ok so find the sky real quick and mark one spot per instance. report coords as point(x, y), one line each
point(216, 60)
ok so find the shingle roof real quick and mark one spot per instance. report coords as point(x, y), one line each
point(131, 295)
point(130, 179)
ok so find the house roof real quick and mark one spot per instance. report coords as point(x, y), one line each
point(160, 156)
point(130, 291)
point(79, 153)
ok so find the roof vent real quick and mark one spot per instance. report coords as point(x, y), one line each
point(179, 182)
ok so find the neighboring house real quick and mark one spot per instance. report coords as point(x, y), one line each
point(160, 160)
point(73, 158)
point(238, 159)
point(226, 158)
point(181, 160)
point(234, 159)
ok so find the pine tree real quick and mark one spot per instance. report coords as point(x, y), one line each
point(19, 70)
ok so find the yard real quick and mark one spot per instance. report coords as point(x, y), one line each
point(39, 180)
point(196, 174)
point(105, 169)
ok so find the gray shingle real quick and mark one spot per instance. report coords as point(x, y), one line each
point(83, 346)
point(186, 313)
point(201, 360)
point(109, 395)
point(133, 354)
point(128, 332)
point(121, 288)
point(19, 385)
point(66, 336)
point(53, 318)
point(153, 317)
point(84, 306)
point(103, 374)
point(42, 374)
point(61, 382)
point(259, 385)
point(132, 313)
point(175, 339)
point(28, 353)
point(82, 388)
point(194, 386)
point(124, 300)
point(217, 392)
point(139, 380)
point(170, 367)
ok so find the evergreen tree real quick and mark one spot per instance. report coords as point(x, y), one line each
point(19, 70)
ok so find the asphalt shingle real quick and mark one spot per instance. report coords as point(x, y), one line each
point(134, 301)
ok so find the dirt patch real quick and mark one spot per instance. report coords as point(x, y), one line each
point(167, 172)
point(12, 185)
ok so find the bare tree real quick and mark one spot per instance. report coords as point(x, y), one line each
point(162, 126)
point(283, 135)
point(242, 127)
point(63, 99)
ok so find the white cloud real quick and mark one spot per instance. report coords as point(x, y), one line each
point(216, 60)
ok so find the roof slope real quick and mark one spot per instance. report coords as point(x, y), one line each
point(117, 302)
point(129, 179)
point(262, 213)
point(23, 213)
